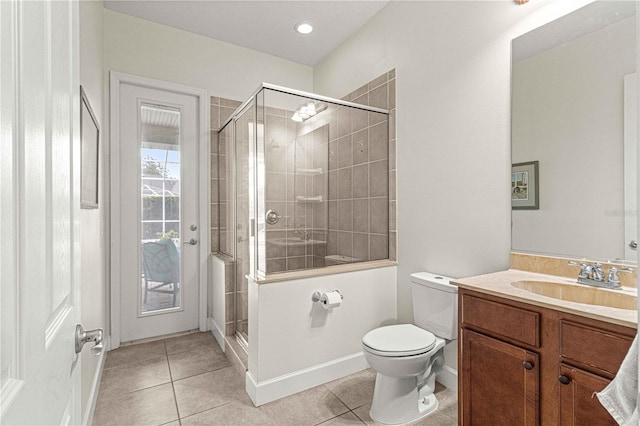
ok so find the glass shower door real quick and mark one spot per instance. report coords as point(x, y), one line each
point(245, 208)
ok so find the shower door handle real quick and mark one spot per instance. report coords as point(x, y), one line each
point(272, 216)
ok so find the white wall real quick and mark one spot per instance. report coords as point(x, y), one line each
point(581, 154)
point(93, 222)
point(293, 338)
point(147, 49)
point(452, 63)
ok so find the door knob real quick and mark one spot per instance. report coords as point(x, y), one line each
point(528, 365)
point(192, 242)
point(83, 336)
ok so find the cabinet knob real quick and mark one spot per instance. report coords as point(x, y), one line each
point(528, 365)
point(565, 380)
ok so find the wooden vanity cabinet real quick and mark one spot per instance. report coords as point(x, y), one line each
point(504, 379)
point(521, 364)
point(578, 406)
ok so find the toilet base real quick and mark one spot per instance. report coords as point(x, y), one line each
point(397, 400)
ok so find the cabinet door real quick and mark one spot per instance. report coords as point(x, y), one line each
point(578, 405)
point(499, 382)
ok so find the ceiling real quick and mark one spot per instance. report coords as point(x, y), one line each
point(266, 26)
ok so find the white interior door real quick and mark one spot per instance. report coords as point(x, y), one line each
point(39, 211)
point(158, 212)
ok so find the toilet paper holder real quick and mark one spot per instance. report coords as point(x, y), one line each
point(317, 296)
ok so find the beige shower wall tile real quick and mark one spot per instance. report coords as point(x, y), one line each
point(230, 103)
point(378, 81)
point(345, 182)
point(379, 215)
point(345, 243)
point(378, 247)
point(361, 216)
point(361, 246)
point(214, 117)
point(379, 97)
point(361, 181)
point(379, 179)
point(345, 215)
point(345, 152)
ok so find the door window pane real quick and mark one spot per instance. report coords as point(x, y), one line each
point(160, 205)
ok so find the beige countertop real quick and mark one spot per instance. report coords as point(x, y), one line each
point(499, 284)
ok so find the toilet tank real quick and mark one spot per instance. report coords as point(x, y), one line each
point(435, 304)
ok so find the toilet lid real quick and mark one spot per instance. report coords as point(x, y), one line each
point(399, 340)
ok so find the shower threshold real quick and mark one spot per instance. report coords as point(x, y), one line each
point(236, 354)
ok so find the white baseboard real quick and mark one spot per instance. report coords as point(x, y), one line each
point(217, 333)
point(448, 377)
point(279, 387)
point(95, 385)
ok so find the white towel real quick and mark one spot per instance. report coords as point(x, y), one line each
point(620, 397)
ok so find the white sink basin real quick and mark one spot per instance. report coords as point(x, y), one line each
point(579, 293)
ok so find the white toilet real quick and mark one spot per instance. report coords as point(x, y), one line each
point(407, 357)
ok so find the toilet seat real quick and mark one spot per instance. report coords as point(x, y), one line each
point(399, 340)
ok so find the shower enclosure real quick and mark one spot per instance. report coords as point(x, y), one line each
point(303, 184)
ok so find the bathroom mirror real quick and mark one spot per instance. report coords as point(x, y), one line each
point(573, 113)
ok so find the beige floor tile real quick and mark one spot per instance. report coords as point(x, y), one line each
point(451, 411)
point(192, 363)
point(310, 407)
point(153, 406)
point(438, 418)
point(134, 376)
point(346, 419)
point(189, 342)
point(446, 397)
point(209, 390)
point(354, 390)
point(363, 414)
point(239, 412)
point(134, 353)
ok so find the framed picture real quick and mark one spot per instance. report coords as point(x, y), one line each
point(525, 193)
point(89, 141)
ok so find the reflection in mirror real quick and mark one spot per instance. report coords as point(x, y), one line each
point(571, 112)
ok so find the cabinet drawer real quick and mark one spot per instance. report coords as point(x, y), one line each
point(500, 320)
point(593, 347)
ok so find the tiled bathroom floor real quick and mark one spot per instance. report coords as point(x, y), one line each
point(187, 380)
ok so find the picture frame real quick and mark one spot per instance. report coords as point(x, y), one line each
point(90, 154)
point(525, 190)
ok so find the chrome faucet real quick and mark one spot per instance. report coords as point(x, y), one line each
point(593, 275)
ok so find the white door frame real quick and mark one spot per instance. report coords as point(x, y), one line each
point(116, 79)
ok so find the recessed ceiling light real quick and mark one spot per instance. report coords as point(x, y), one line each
point(304, 28)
